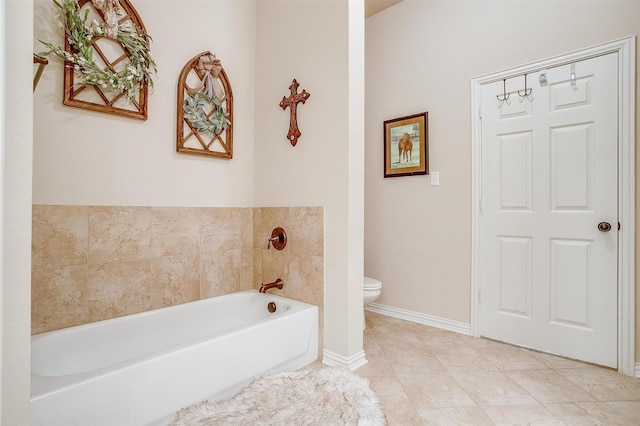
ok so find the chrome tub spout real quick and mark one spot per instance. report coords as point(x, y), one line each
point(276, 284)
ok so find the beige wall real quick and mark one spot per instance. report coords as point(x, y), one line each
point(310, 41)
point(91, 263)
point(421, 56)
point(88, 158)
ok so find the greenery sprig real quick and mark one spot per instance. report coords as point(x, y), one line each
point(128, 80)
point(193, 107)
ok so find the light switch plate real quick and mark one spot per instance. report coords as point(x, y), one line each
point(435, 178)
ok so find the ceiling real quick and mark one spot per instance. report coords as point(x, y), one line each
point(371, 7)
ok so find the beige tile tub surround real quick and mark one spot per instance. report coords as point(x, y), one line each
point(97, 262)
point(301, 263)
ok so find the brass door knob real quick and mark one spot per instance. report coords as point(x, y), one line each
point(604, 226)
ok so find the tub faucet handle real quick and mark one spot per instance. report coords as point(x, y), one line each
point(274, 240)
point(278, 239)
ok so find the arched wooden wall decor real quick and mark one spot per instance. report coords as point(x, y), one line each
point(42, 62)
point(110, 54)
point(205, 108)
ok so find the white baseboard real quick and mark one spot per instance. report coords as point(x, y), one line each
point(430, 320)
point(637, 370)
point(351, 363)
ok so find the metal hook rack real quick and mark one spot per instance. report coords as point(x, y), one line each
point(505, 95)
point(528, 91)
point(522, 93)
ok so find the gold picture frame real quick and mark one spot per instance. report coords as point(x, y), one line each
point(406, 146)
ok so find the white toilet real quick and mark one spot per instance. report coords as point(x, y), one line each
point(371, 291)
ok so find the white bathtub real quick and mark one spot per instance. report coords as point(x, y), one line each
point(140, 369)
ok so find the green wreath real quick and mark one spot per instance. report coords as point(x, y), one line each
point(130, 79)
point(193, 107)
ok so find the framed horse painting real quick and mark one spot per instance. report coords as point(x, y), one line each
point(406, 146)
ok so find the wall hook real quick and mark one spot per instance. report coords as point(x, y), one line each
point(527, 92)
point(505, 95)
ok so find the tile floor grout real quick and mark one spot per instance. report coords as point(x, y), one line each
point(428, 376)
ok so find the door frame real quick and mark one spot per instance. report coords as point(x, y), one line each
point(625, 47)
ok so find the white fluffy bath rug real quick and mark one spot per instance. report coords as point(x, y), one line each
point(327, 396)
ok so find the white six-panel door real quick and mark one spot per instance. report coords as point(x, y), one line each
point(548, 271)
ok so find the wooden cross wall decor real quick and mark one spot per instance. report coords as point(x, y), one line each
point(292, 103)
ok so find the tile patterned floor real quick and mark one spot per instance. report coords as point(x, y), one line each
point(427, 376)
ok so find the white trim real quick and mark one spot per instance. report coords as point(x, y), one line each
point(351, 363)
point(2, 213)
point(430, 320)
point(626, 206)
point(637, 370)
point(2, 190)
point(625, 48)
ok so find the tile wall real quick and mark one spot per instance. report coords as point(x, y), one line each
point(91, 263)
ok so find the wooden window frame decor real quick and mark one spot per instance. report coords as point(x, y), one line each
point(108, 63)
point(204, 108)
point(42, 62)
point(408, 131)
